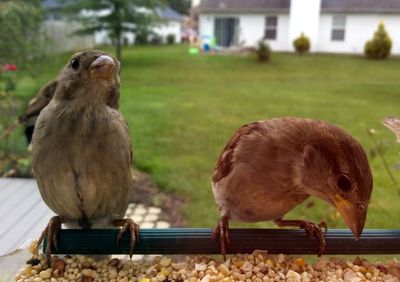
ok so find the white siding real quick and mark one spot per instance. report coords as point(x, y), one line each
point(251, 29)
point(170, 27)
point(359, 29)
point(304, 18)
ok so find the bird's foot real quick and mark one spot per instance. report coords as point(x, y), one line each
point(126, 224)
point(315, 230)
point(222, 232)
point(312, 230)
point(51, 232)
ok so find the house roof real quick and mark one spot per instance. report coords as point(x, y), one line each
point(168, 13)
point(283, 6)
point(250, 6)
point(360, 6)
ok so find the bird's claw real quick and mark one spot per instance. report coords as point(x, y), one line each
point(133, 229)
point(312, 230)
point(51, 232)
point(221, 232)
point(315, 230)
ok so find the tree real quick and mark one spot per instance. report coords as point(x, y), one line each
point(117, 17)
point(21, 40)
point(380, 45)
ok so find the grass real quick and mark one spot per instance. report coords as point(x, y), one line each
point(181, 110)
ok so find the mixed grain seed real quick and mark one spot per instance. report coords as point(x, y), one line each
point(258, 267)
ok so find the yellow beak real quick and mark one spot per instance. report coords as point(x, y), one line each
point(353, 216)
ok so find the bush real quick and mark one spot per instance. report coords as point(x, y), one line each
point(301, 44)
point(380, 45)
point(263, 51)
point(171, 39)
point(156, 39)
point(142, 37)
point(21, 37)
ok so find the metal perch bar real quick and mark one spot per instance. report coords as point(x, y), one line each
point(198, 241)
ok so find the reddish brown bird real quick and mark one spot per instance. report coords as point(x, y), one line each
point(269, 167)
point(82, 155)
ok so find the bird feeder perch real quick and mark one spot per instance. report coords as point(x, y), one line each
point(198, 241)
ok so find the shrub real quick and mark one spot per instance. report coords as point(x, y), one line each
point(263, 51)
point(21, 38)
point(301, 44)
point(380, 44)
point(156, 39)
point(142, 37)
point(171, 39)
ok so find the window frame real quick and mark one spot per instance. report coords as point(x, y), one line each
point(271, 27)
point(338, 30)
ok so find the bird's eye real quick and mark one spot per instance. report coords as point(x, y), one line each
point(75, 63)
point(344, 182)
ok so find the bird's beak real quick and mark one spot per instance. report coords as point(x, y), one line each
point(102, 68)
point(353, 216)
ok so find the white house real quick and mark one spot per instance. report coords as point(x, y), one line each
point(336, 26)
point(172, 24)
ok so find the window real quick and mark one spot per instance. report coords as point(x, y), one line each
point(271, 25)
point(226, 31)
point(338, 28)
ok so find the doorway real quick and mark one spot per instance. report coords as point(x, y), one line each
point(226, 31)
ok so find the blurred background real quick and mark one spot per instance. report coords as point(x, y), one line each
point(192, 72)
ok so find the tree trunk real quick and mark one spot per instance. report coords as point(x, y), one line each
point(119, 47)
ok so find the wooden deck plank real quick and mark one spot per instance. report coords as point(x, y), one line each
point(23, 214)
point(17, 200)
point(7, 188)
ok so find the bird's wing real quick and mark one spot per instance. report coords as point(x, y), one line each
point(393, 123)
point(40, 101)
point(225, 162)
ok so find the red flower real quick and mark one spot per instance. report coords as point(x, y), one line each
point(10, 67)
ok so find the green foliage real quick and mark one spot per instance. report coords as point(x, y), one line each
point(171, 39)
point(21, 40)
point(380, 45)
point(302, 44)
point(123, 16)
point(263, 51)
point(22, 47)
point(156, 39)
point(142, 37)
point(8, 106)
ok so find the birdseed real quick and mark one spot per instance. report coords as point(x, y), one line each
point(258, 267)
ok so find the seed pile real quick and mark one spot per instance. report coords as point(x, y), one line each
point(259, 267)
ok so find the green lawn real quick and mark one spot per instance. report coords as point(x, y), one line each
point(181, 110)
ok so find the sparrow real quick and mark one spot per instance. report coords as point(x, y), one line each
point(44, 96)
point(82, 155)
point(35, 105)
point(269, 167)
point(41, 100)
point(393, 123)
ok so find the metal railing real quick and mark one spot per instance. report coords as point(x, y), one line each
point(198, 241)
